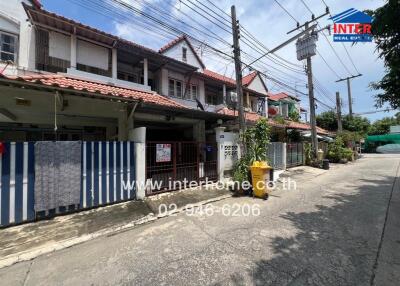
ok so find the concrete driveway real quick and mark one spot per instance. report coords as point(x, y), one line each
point(334, 229)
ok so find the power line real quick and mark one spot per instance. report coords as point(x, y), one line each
point(326, 38)
point(287, 12)
point(245, 31)
point(167, 28)
point(344, 46)
point(244, 39)
point(330, 68)
point(290, 15)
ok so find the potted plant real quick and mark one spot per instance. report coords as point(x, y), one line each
point(255, 141)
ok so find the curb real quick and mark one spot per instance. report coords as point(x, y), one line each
point(39, 251)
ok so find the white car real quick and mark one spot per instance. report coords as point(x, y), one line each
point(389, 149)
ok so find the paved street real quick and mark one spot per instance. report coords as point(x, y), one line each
point(327, 232)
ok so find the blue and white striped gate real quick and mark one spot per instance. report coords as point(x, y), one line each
point(17, 168)
point(108, 173)
point(107, 177)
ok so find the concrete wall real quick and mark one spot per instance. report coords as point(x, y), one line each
point(92, 55)
point(228, 151)
point(59, 46)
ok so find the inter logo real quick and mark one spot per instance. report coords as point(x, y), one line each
point(352, 26)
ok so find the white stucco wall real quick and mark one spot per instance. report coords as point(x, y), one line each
point(13, 20)
point(59, 46)
point(175, 52)
point(92, 55)
point(257, 85)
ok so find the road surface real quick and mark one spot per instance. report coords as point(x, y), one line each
point(334, 229)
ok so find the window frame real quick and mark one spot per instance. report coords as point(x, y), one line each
point(184, 54)
point(175, 88)
point(193, 96)
point(16, 46)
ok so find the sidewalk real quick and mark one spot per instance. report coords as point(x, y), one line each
point(27, 241)
point(387, 267)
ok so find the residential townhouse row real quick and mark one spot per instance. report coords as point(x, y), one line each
point(63, 80)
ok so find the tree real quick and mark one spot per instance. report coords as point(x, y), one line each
point(382, 126)
point(294, 116)
point(386, 33)
point(357, 124)
point(327, 120)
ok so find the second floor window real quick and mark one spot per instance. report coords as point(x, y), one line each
point(213, 95)
point(184, 54)
point(8, 47)
point(193, 92)
point(175, 88)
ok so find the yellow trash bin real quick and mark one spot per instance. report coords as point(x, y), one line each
point(260, 177)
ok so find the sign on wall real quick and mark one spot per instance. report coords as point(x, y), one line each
point(163, 153)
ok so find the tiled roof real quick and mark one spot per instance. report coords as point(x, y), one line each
point(246, 80)
point(77, 84)
point(281, 95)
point(226, 80)
point(253, 117)
point(304, 126)
point(249, 116)
point(178, 40)
point(220, 77)
point(50, 19)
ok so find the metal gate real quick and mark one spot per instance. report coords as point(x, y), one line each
point(170, 164)
point(294, 154)
point(108, 175)
point(276, 156)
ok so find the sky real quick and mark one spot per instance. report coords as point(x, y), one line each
point(266, 25)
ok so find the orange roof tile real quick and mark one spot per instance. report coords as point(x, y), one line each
point(304, 126)
point(281, 95)
point(253, 117)
point(250, 116)
point(77, 84)
point(219, 77)
point(246, 80)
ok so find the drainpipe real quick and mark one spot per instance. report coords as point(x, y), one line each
point(73, 56)
point(114, 63)
point(145, 72)
point(130, 121)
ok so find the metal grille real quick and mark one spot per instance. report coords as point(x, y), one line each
point(294, 154)
point(276, 155)
point(168, 162)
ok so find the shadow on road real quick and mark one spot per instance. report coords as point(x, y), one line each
point(335, 245)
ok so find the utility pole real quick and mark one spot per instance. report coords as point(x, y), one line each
point(347, 79)
point(306, 48)
point(238, 68)
point(313, 121)
point(339, 112)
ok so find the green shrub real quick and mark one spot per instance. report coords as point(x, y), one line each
point(348, 154)
point(255, 141)
point(337, 151)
